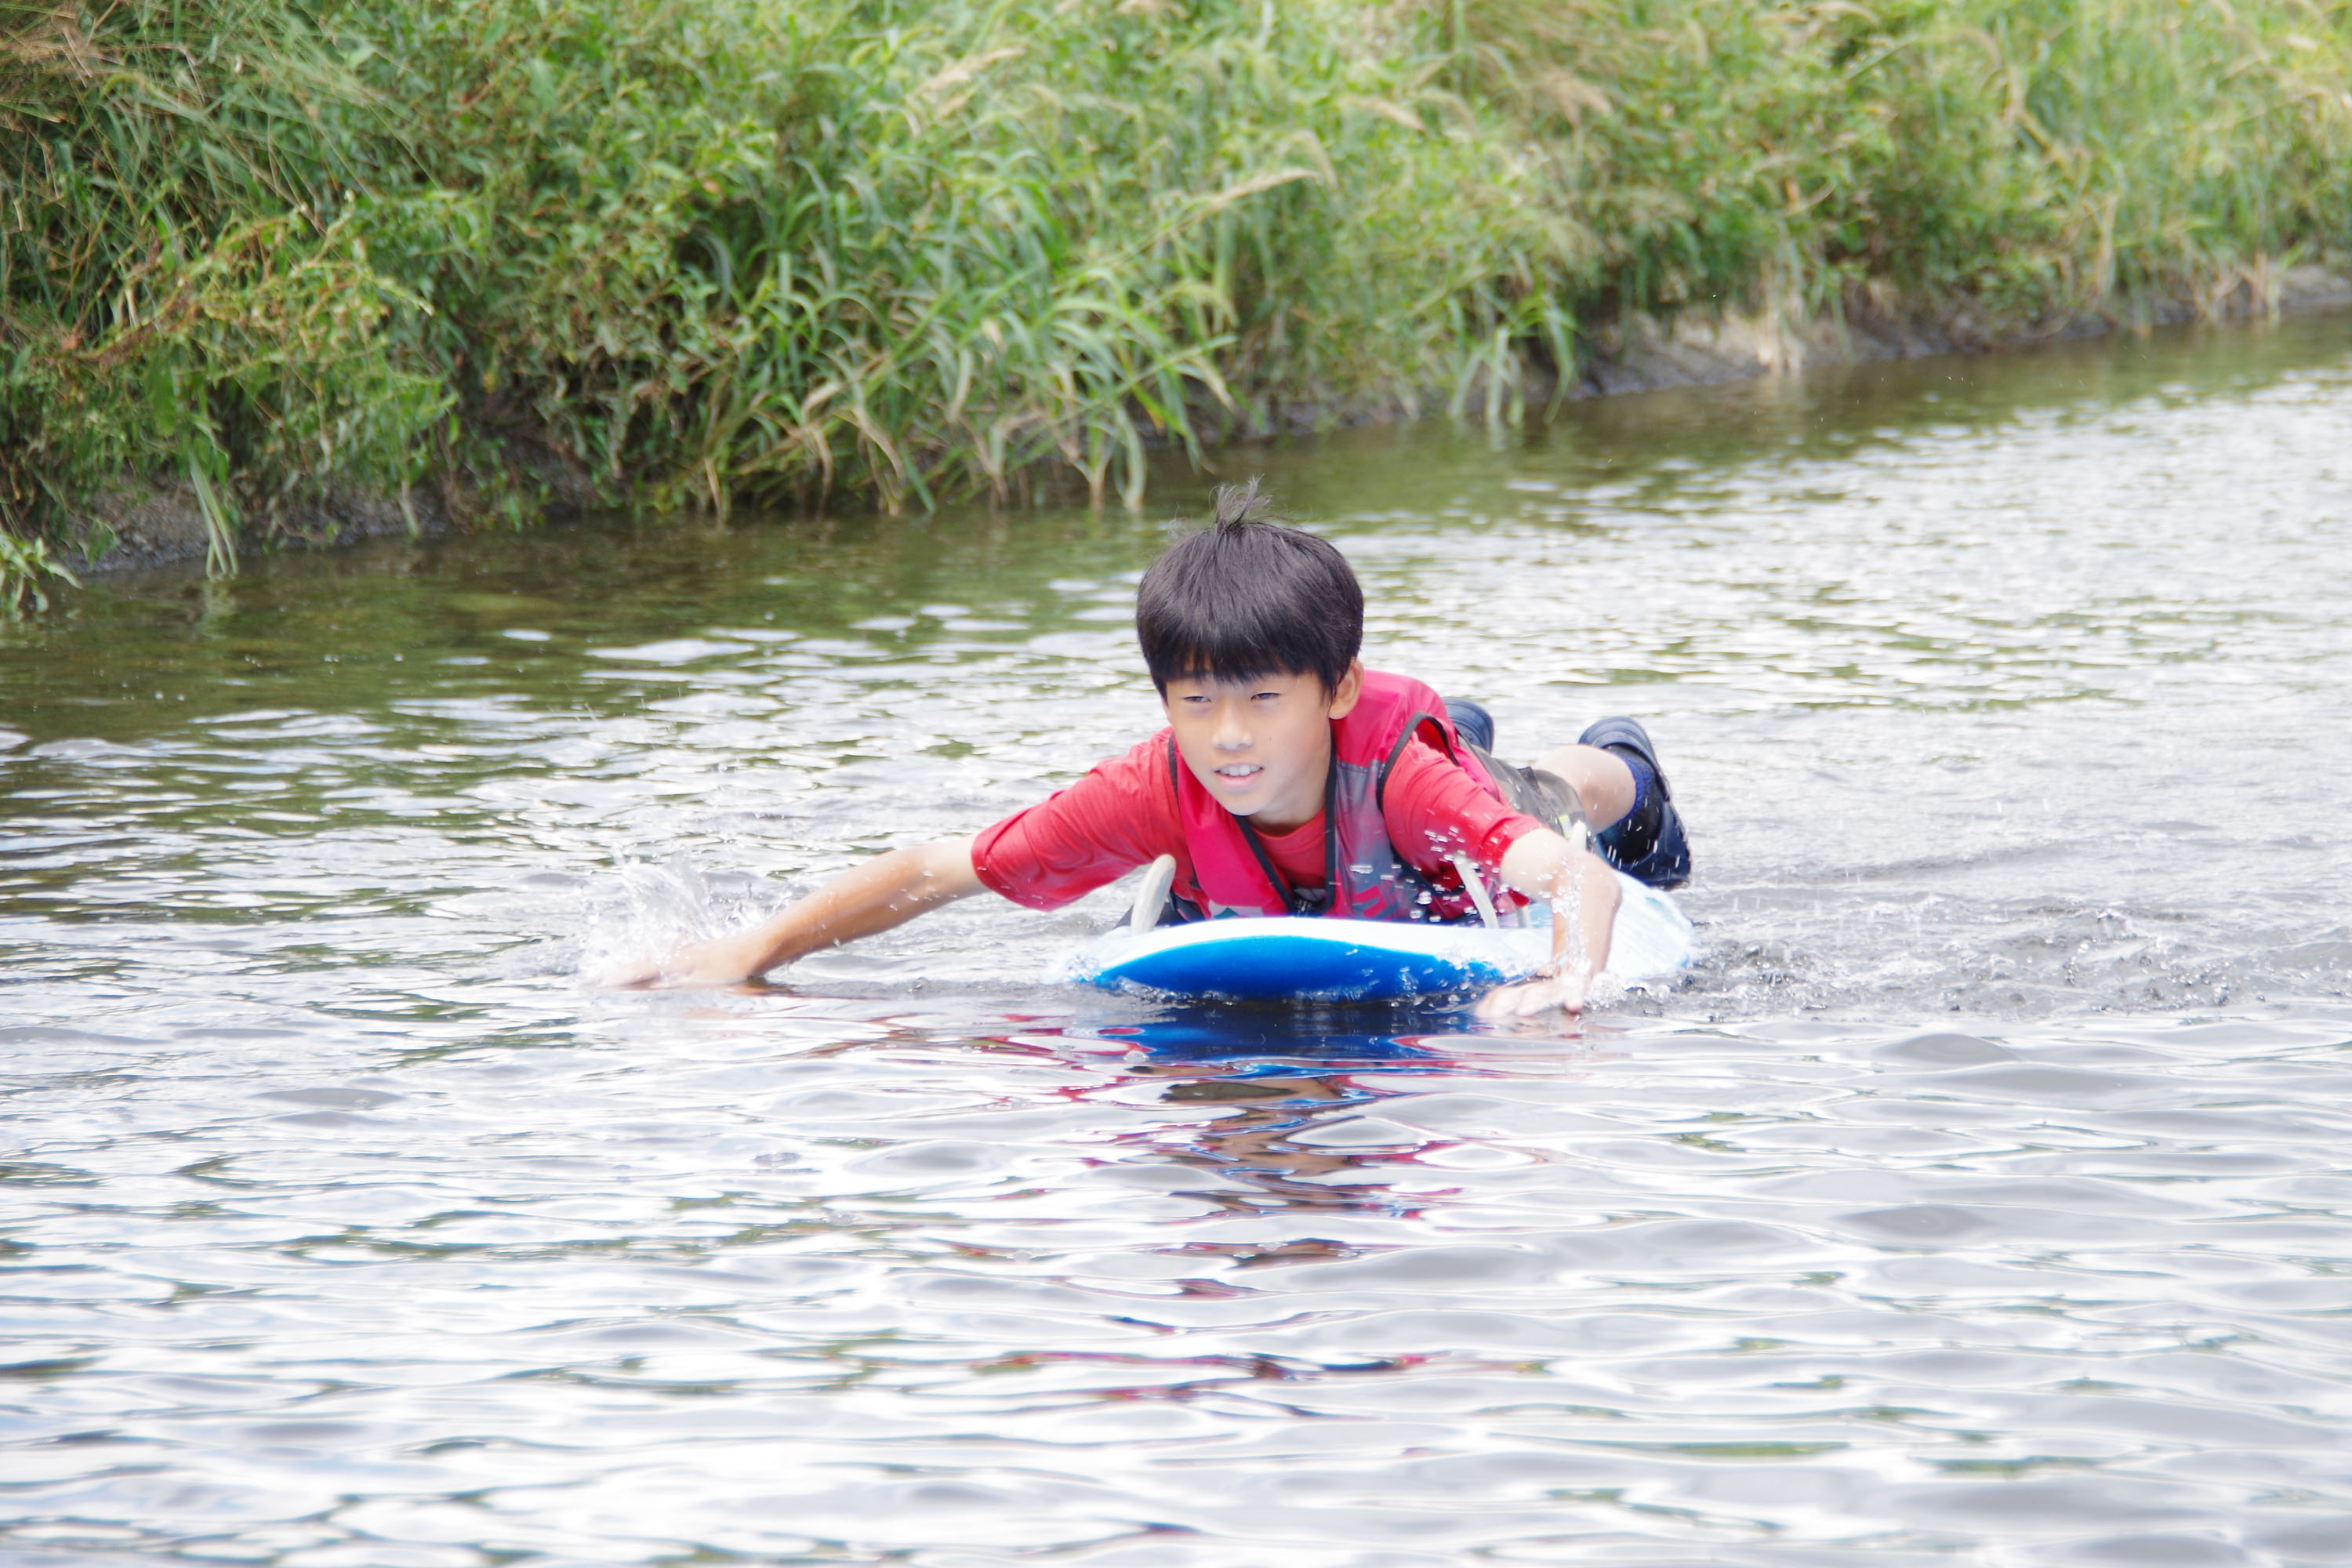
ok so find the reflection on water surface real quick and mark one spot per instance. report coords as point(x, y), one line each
point(1979, 1197)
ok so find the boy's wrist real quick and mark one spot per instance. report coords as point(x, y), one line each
point(755, 953)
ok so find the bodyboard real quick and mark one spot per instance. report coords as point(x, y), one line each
point(1318, 959)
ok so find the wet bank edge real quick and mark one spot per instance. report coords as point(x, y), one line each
point(138, 525)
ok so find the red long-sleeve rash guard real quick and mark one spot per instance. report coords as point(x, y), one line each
point(1123, 815)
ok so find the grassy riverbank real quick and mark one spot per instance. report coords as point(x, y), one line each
point(295, 260)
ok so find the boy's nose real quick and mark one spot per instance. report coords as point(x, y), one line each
point(1233, 731)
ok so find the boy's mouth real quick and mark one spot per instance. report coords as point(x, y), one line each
point(1238, 772)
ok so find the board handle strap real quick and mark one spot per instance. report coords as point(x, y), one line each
point(1151, 895)
point(1478, 887)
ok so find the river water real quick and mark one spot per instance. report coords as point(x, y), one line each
point(1980, 1196)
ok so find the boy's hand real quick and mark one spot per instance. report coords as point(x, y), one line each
point(886, 891)
point(1563, 993)
point(1583, 891)
point(697, 966)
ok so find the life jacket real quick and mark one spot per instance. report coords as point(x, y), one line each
point(1364, 877)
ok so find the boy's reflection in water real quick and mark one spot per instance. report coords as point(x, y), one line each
point(1275, 1074)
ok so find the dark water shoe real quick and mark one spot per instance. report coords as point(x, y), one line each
point(1472, 721)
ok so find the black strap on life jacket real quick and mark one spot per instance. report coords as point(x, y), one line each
point(1411, 733)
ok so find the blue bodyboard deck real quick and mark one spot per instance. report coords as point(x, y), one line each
point(1309, 960)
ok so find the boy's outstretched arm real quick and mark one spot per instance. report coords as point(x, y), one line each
point(886, 891)
point(1582, 893)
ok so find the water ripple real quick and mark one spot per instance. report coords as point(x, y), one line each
point(1980, 1197)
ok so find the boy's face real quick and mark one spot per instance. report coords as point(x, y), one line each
point(1261, 747)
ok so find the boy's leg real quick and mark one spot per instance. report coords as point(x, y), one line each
point(1631, 807)
point(1601, 779)
point(1645, 837)
point(1614, 768)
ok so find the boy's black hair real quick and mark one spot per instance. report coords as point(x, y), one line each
point(1247, 597)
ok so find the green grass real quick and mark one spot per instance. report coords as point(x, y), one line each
point(898, 253)
point(2034, 155)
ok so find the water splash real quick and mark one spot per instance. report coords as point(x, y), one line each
point(643, 911)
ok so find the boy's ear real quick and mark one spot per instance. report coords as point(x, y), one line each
point(1349, 692)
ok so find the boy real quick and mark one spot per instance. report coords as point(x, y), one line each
point(1290, 780)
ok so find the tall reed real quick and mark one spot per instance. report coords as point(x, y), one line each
point(274, 250)
point(183, 292)
point(2034, 155)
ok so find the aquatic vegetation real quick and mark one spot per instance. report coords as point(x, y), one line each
point(24, 565)
point(274, 253)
